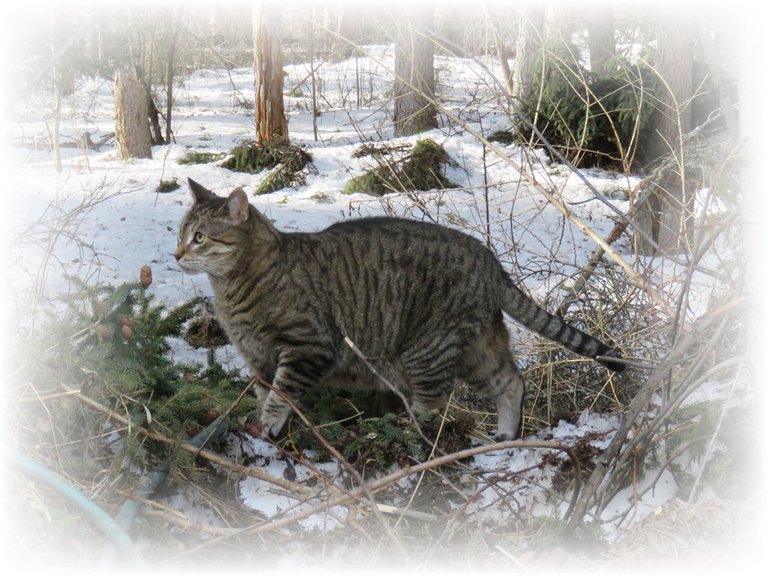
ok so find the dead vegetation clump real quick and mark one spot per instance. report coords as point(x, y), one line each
point(683, 535)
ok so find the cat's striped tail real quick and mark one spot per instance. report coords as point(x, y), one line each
point(535, 318)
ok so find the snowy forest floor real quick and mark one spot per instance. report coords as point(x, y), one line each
point(101, 220)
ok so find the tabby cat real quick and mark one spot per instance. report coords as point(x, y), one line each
point(421, 301)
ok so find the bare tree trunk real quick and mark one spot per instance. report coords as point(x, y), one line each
point(718, 37)
point(506, 71)
point(154, 118)
point(559, 22)
point(313, 78)
point(529, 41)
point(503, 56)
point(132, 118)
point(347, 31)
point(268, 68)
point(55, 144)
point(169, 74)
point(668, 215)
point(602, 40)
point(414, 87)
point(674, 65)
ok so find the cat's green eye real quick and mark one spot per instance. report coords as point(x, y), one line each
point(198, 238)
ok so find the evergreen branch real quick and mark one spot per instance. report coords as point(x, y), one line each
point(203, 453)
point(228, 411)
point(391, 387)
point(362, 488)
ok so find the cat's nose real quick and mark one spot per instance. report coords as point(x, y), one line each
point(179, 253)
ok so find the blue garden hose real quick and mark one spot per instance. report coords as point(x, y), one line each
point(116, 530)
point(103, 521)
point(130, 508)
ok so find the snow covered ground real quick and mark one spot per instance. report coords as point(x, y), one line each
point(101, 219)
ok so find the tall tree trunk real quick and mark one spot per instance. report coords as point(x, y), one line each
point(414, 87)
point(559, 22)
point(718, 31)
point(668, 214)
point(268, 68)
point(529, 41)
point(503, 56)
point(174, 25)
point(313, 78)
point(55, 144)
point(132, 118)
point(154, 118)
point(506, 71)
point(346, 31)
point(602, 40)
point(674, 65)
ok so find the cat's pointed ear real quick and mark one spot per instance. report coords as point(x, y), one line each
point(199, 192)
point(237, 206)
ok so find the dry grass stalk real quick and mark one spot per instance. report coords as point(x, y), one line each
point(202, 453)
point(616, 462)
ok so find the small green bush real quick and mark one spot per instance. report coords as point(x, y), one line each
point(593, 121)
point(112, 344)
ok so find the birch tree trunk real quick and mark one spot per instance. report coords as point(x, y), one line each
point(132, 118)
point(268, 69)
point(414, 86)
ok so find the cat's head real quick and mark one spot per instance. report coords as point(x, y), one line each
point(214, 232)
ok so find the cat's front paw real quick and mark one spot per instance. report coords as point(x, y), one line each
point(274, 415)
point(504, 437)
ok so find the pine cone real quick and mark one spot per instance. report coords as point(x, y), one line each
point(126, 331)
point(145, 276)
point(213, 413)
point(255, 429)
point(104, 331)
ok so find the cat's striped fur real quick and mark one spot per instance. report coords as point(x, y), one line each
point(423, 302)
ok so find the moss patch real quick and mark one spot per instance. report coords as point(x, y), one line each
point(197, 157)
point(288, 163)
point(421, 168)
point(253, 157)
point(168, 185)
point(505, 137)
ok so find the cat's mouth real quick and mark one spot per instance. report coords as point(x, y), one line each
point(187, 264)
point(189, 267)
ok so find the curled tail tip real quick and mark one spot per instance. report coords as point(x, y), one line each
point(612, 360)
